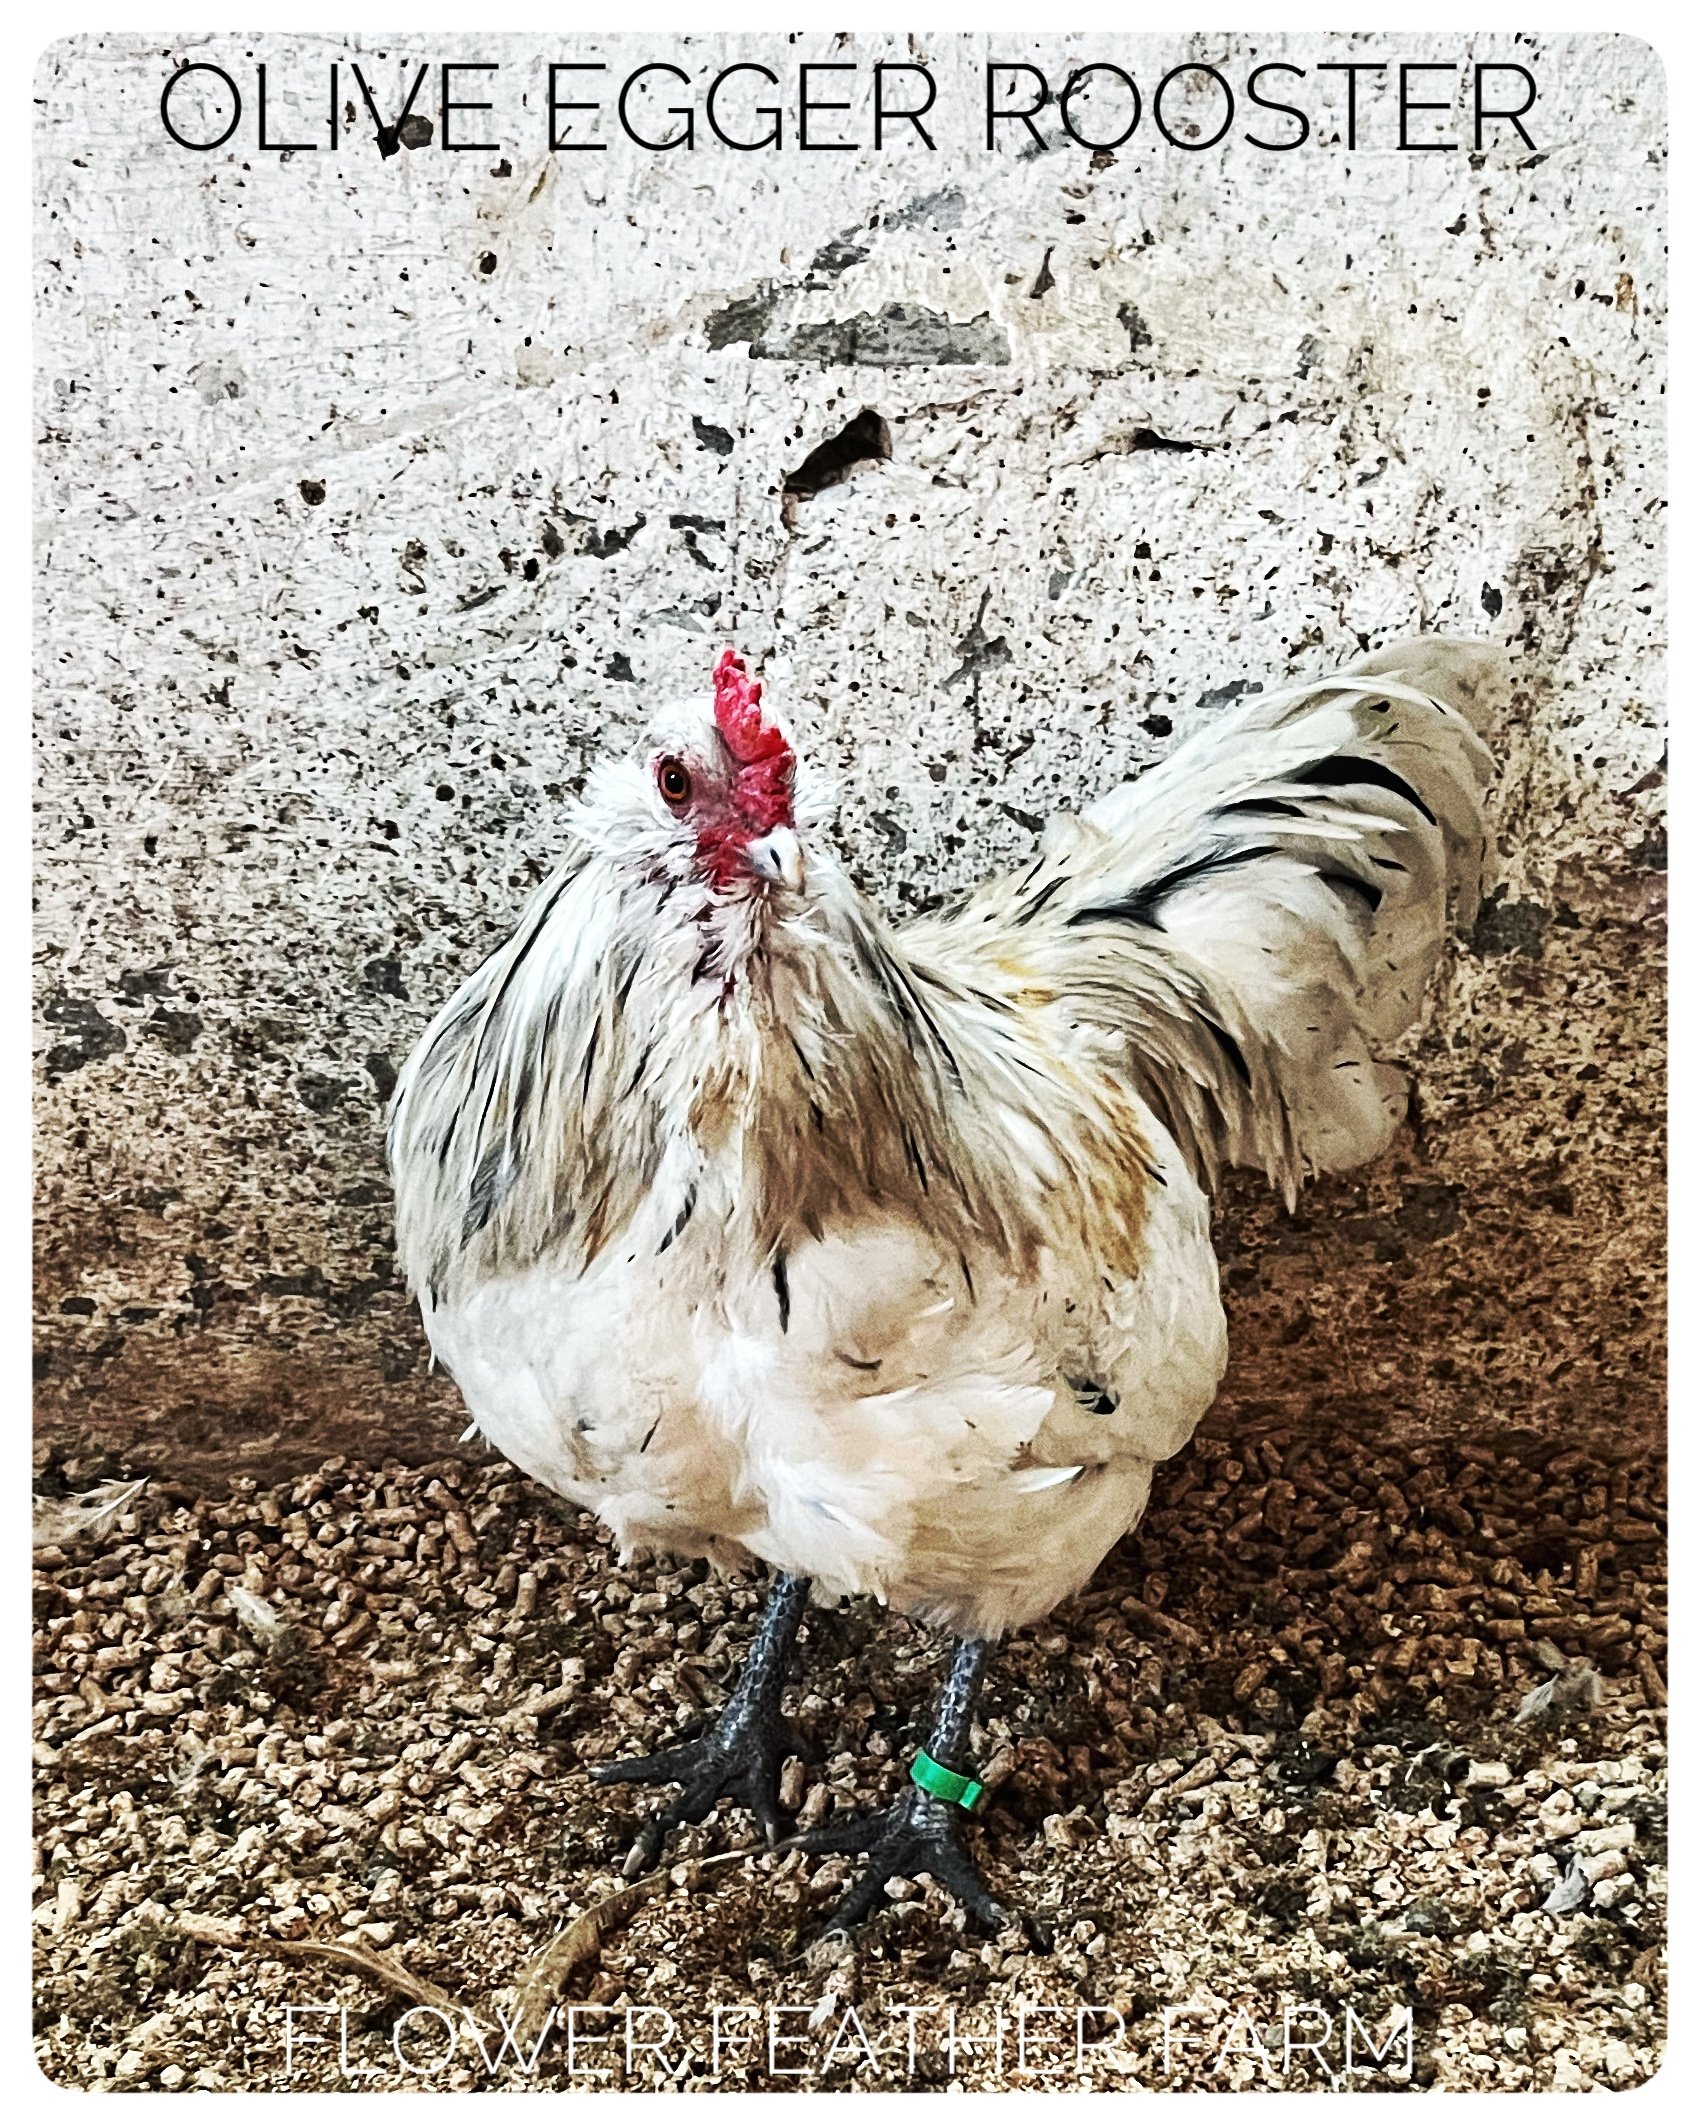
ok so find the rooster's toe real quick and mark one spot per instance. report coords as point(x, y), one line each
point(915, 1835)
point(738, 1759)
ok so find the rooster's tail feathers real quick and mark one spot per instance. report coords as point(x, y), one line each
point(1260, 914)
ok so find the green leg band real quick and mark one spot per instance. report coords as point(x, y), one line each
point(933, 1778)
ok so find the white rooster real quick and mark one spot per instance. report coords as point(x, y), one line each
point(884, 1258)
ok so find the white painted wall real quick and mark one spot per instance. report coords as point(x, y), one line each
point(379, 494)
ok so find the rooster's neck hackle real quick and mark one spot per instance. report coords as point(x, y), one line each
point(786, 1066)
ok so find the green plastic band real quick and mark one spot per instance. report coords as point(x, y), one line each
point(933, 1778)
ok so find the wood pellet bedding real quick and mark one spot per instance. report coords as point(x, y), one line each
point(1341, 1728)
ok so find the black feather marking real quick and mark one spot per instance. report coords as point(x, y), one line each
point(626, 980)
point(879, 970)
point(1144, 906)
point(913, 1151)
point(1348, 771)
point(636, 1077)
point(802, 1059)
point(782, 1292)
point(893, 981)
point(858, 1364)
point(648, 1435)
point(967, 1276)
point(1389, 863)
point(681, 1221)
point(1357, 888)
point(525, 1083)
point(1264, 807)
point(1229, 1046)
point(490, 1185)
point(933, 1030)
point(949, 1054)
point(1042, 898)
point(589, 1061)
point(531, 937)
point(481, 1133)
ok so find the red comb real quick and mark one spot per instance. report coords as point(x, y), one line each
point(761, 749)
point(738, 715)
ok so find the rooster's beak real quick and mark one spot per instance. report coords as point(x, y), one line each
point(779, 856)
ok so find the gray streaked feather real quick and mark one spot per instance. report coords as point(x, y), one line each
point(1255, 921)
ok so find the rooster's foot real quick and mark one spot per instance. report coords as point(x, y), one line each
point(739, 1757)
point(915, 1835)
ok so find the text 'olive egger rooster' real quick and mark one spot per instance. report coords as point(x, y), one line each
point(883, 1256)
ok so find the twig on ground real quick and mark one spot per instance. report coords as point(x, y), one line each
point(381, 1970)
point(543, 1977)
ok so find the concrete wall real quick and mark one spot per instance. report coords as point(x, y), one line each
point(379, 493)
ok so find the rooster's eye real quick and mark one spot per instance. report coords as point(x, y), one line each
point(673, 782)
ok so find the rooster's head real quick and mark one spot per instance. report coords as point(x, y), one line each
point(711, 799)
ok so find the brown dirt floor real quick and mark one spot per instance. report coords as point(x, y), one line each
point(1268, 1766)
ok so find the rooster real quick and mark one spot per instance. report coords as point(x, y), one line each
point(882, 1258)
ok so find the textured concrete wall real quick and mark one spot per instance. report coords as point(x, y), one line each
point(379, 492)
